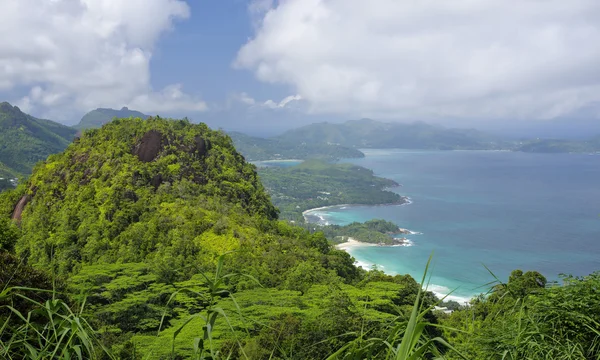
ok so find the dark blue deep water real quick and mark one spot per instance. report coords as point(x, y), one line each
point(507, 210)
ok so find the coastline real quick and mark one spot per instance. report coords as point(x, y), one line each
point(352, 244)
point(405, 201)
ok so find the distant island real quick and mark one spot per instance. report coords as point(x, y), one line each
point(97, 118)
point(367, 133)
point(256, 148)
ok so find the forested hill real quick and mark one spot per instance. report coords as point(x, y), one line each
point(25, 140)
point(367, 133)
point(133, 212)
point(97, 118)
point(256, 148)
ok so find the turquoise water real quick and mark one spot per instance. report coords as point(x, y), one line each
point(277, 163)
point(502, 209)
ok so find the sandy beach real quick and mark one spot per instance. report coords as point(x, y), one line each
point(352, 244)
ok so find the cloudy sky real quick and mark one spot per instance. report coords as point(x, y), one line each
point(251, 64)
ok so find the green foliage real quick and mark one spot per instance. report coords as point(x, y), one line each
point(98, 202)
point(97, 118)
point(524, 319)
point(19, 277)
point(316, 183)
point(376, 231)
point(254, 148)
point(25, 140)
point(406, 339)
point(51, 330)
point(9, 233)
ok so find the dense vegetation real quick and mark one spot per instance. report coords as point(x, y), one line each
point(97, 118)
point(376, 231)
point(255, 148)
point(526, 318)
point(316, 183)
point(25, 140)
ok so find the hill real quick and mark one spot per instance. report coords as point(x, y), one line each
point(561, 146)
point(25, 140)
point(97, 118)
point(256, 148)
point(132, 213)
point(315, 183)
point(367, 133)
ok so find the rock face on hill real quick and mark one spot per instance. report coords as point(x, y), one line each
point(118, 185)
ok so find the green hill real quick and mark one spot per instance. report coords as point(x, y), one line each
point(130, 213)
point(367, 133)
point(97, 118)
point(256, 148)
point(25, 140)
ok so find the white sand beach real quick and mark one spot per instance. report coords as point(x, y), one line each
point(352, 244)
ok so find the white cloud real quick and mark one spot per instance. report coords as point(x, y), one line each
point(428, 58)
point(76, 55)
point(283, 103)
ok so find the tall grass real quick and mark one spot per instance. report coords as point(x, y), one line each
point(51, 330)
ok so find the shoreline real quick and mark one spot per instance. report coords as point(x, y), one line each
point(440, 291)
point(406, 201)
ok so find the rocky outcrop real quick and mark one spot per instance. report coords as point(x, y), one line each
point(201, 146)
point(18, 211)
point(149, 147)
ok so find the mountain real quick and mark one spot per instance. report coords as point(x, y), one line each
point(561, 146)
point(97, 118)
point(367, 133)
point(256, 148)
point(25, 140)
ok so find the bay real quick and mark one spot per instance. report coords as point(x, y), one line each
point(504, 210)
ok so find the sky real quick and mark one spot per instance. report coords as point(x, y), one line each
point(265, 66)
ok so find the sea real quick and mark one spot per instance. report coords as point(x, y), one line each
point(480, 215)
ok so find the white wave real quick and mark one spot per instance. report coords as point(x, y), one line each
point(441, 291)
point(363, 264)
point(406, 243)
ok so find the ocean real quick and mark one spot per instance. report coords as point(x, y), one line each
point(478, 209)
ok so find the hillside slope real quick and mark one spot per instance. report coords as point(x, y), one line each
point(25, 140)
